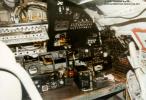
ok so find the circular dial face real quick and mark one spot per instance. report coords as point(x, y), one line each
point(53, 84)
point(45, 88)
point(33, 69)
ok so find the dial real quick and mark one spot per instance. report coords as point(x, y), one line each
point(53, 84)
point(33, 69)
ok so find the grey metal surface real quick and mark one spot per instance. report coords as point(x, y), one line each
point(73, 93)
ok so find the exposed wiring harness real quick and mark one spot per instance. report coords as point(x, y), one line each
point(22, 9)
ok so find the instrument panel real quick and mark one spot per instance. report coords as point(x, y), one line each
point(71, 17)
point(72, 23)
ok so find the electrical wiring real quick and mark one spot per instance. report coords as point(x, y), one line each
point(129, 22)
point(129, 17)
point(22, 9)
point(33, 4)
point(24, 14)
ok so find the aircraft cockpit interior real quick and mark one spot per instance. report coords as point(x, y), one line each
point(72, 50)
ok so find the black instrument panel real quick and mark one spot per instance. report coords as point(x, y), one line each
point(70, 21)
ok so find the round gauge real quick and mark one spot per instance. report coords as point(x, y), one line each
point(45, 88)
point(33, 69)
point(53, 85)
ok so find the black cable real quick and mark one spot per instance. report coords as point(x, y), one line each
point(5, 70)
point(129, 17)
